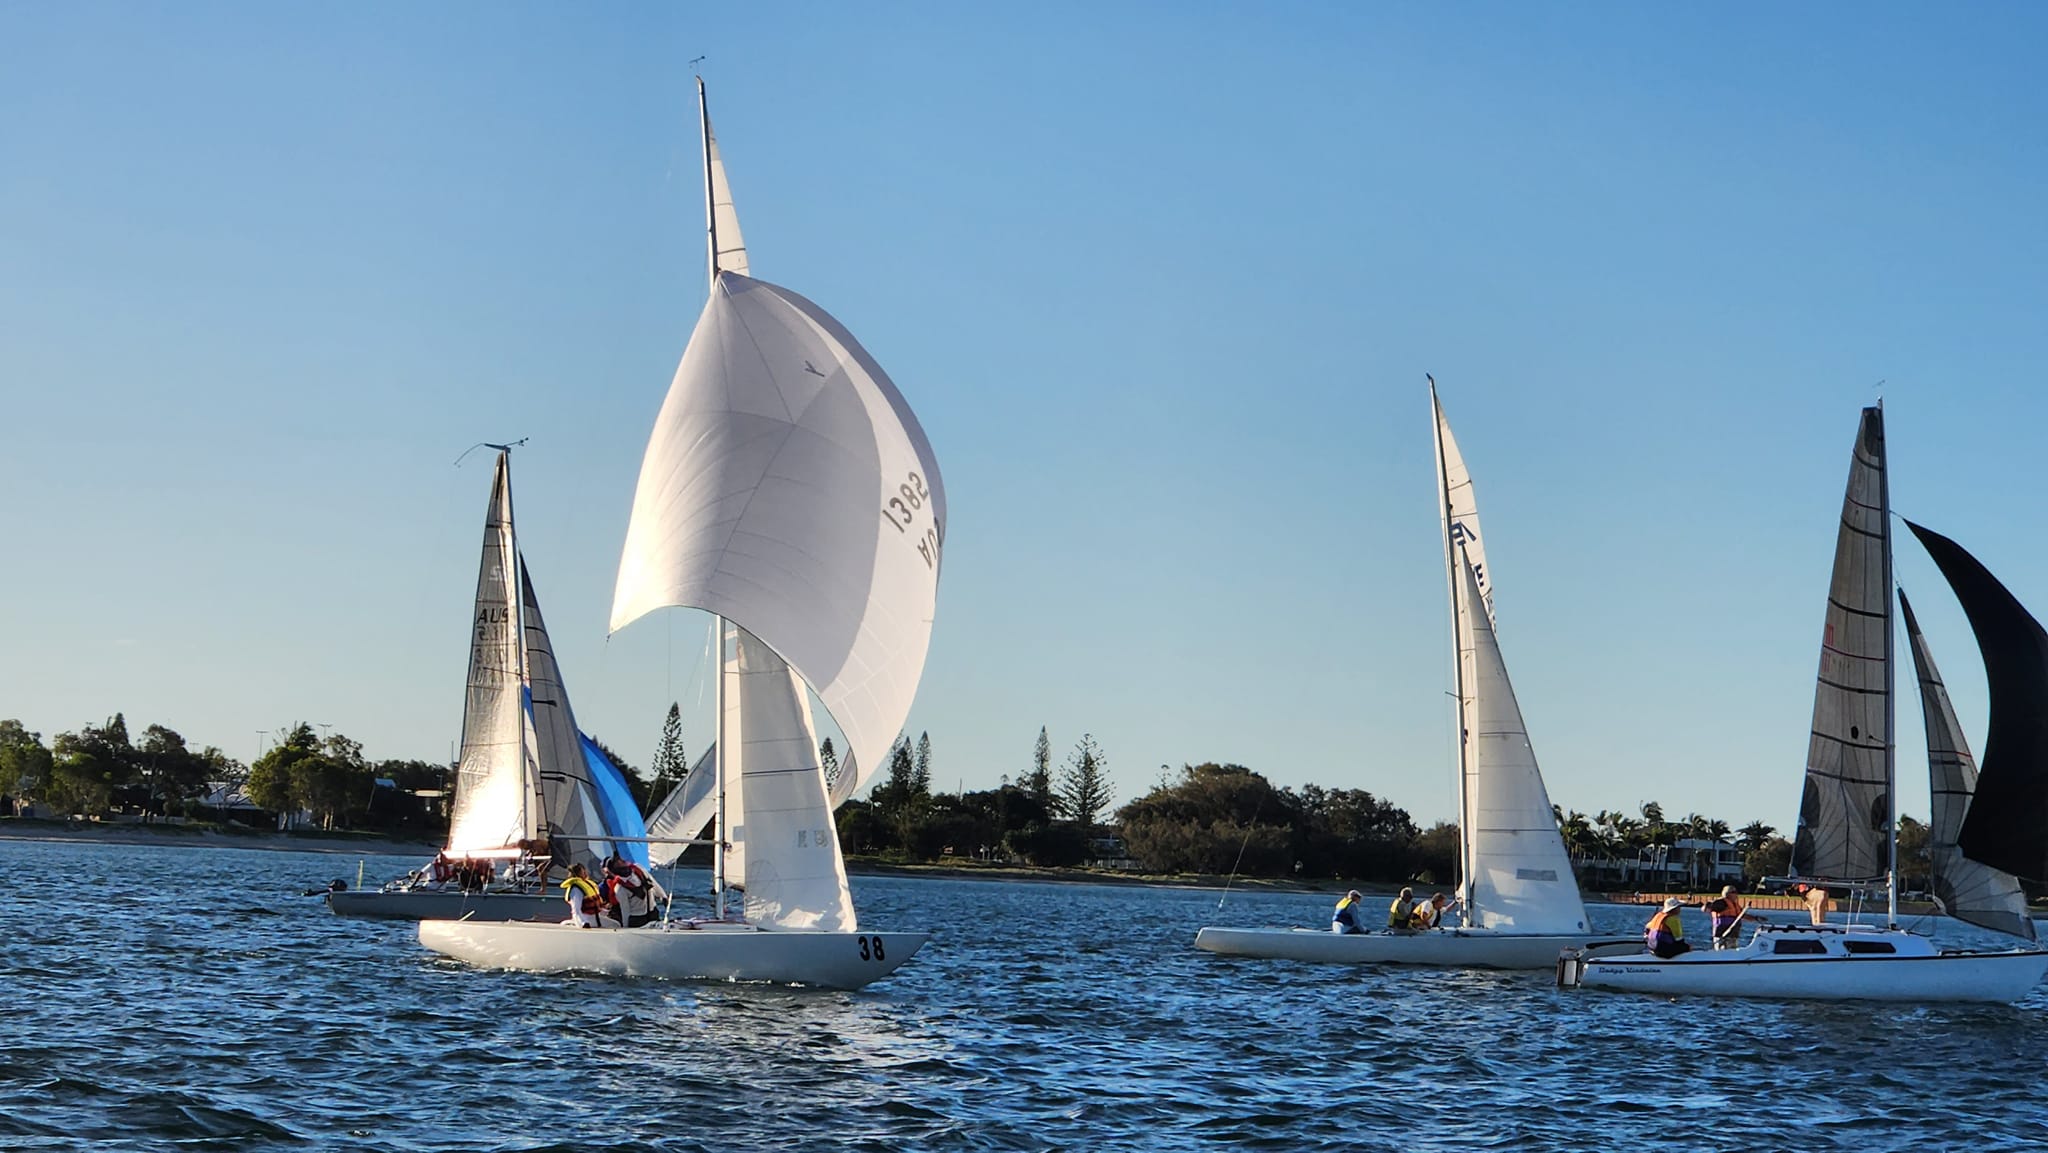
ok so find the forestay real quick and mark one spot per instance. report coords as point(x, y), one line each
point(784, 848)
point(1968, 890)
point(1521, 877)
point(1845, 809)
point(495, 803)
point(789, 488)
point(2007, 823)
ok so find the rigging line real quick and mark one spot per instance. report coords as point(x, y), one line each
point(1249, 826)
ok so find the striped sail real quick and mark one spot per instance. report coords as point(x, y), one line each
point(1845, 808)
point(1969, 891)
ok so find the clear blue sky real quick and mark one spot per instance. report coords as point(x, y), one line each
point(1162, 282)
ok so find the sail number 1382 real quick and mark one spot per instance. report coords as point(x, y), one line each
point(906, 509)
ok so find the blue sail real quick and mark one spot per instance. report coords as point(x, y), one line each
point(621, 815)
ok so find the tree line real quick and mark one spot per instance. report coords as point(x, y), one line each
point(1209, 818)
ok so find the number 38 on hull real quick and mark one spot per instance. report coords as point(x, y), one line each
point(682, 951)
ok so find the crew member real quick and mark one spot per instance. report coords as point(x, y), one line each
point(1817, 902)
point(1345, 919)
point(1429, 914)
point(1401, 914)
point(633, 896)
point(586, 903)
point(1665, 934)
point(1729, 913)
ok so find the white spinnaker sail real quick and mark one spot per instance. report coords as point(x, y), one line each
point(1521, 875)
point(494, 793)
point(685, 812)
point(729, 252)
point(1844, 810)
point(1970, 891)
point(787, 856)
point(788, 488)
point(1458, 507)
point(569, 801)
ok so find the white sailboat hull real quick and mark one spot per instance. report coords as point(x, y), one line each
point(722, 951)
point(454, 905)
point(1448, 948)
point(1915, 971)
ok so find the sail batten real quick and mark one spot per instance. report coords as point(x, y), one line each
point(2005, 825)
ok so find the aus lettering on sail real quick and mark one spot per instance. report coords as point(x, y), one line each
point(492, 621)
point(908, 511)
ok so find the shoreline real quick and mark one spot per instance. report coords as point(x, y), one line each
point(209, 837)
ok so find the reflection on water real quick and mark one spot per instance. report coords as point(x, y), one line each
point(190, 998)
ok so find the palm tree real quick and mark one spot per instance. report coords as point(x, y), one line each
point(1753, 836)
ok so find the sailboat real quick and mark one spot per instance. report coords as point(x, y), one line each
point(1848, 811)
point(1518, 902)
point(526, 774)
point(788, 490)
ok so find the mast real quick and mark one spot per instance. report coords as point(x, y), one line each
point(514, 572)
point(1891, 743)
point(710, 203)
point(718, 750)
point(718, 747)
point(1451, 561)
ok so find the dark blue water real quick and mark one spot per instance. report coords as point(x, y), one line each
point(180, 998)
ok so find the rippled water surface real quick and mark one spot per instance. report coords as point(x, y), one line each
point(189, 998)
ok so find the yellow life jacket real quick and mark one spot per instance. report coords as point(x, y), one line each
point(587, 890)
point(1400, 913)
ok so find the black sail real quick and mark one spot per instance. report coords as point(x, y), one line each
point(1968, 890)
point(2007, 825)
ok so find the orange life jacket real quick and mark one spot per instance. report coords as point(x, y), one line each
point(1667, 921)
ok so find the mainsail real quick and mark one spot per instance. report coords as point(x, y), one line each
point(1969, 891)
point(1458, 506)
point(788, 487)
point(727, 250)
point(496, 806)
point(1845, 810)
point(1520, 875)
point(2007, 824)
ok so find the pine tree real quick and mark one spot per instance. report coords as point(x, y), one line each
point(921, 773)
point(828, 757)
point(1084, 786)
point(671, 764)
point(1039, 781)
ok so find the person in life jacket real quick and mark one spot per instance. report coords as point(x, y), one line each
point(586, 902)
point(1729, 913)
point(1429, 914)
point(1401, 914)
point(1665, 934)
point(1345, 919)
point(635, 898)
